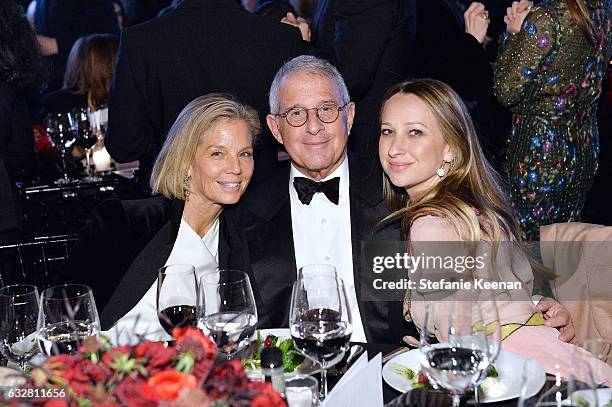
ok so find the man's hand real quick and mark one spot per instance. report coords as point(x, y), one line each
point(557, 316)
point(476, 21)
point(298, 22)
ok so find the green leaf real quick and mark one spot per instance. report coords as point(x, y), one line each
point(492, 372)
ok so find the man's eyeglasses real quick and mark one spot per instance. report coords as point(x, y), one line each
point(327, 113)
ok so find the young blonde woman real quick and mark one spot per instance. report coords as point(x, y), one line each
point(442, 189)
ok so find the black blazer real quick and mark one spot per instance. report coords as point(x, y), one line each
point(203, 46)
point(371, 42)
point(124, 243)
point(265, 217)
point(16, 147)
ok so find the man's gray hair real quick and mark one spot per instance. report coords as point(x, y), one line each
point(311, 64)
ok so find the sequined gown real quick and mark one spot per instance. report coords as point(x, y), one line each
point(550, 77)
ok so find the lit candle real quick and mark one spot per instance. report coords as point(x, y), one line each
point(101, 160)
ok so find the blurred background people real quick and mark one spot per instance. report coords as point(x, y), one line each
point(21, 71)
point(89, 74)
point(201, 46)
point(549, 73)
point(59, 23)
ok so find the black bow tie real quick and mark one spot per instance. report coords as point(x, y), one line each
point(306, 188)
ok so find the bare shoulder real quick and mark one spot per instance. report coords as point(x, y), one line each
point(433, 228)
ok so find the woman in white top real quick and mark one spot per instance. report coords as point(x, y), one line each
point(205, 164)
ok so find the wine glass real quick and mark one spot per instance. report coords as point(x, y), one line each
point(228, 313)
point(87, 138)
point(320, 321)
point(492, 330)
point(62, 131)
point(19, 312)
point(67, 316)
point(460, 362)
point(177, 296)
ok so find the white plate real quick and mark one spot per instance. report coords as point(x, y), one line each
point(508, 365)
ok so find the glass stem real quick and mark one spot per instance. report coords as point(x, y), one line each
point(476, 396)
point(456, 400)
point(88, 161)
point(323, 391)
point(64, 167)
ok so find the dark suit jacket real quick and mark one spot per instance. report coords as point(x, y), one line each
point(16, 147)
point(124, 243)
point(265, 216)
point(203, 46)
point(371, 42)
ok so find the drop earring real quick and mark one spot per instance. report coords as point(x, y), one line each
point(186, 186)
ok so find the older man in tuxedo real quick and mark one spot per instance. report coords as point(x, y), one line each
point(289, 224)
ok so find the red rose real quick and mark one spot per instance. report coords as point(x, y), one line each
point(56, 403)
point(136, 393)
point(189, 334)
point(169, 383)
point(97, 372)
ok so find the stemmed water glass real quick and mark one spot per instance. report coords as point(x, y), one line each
point(87, 138)
point(18, 318)
point(462, 357)
point(492, 329)
point(227, 312)
point(67, 316)
point(62, 131)
point(177, 296)
point(320, 320)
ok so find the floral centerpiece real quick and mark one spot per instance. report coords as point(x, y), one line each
point(150, 374)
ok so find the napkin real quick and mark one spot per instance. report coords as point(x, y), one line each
point(360, 386)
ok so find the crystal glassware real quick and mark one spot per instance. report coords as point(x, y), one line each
point(67, 316)
point(19, 307)
point(177, 296)
point(227, 312)
point(320, 320)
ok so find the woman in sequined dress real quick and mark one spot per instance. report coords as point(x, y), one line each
point(549, 70)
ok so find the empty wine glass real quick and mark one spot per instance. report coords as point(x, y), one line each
point(460, 362)
point(492, 330)
point(67, 315)
point(19, 313)
point(228, 313)
point(177, 296)
point(62, 131)
point(320, 321)
point(87, 138)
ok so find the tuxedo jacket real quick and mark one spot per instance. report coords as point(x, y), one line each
point(124, 243)
point(264, 215)
point(202, 46)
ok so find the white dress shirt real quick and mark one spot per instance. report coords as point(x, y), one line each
point(188, 248)
point(322, 235)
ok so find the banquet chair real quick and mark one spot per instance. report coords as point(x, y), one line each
point(580, 257)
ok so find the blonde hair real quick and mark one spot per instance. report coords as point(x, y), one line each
point(582, 17)
point(178, 151)
point(470, 187)
point(90, 67)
